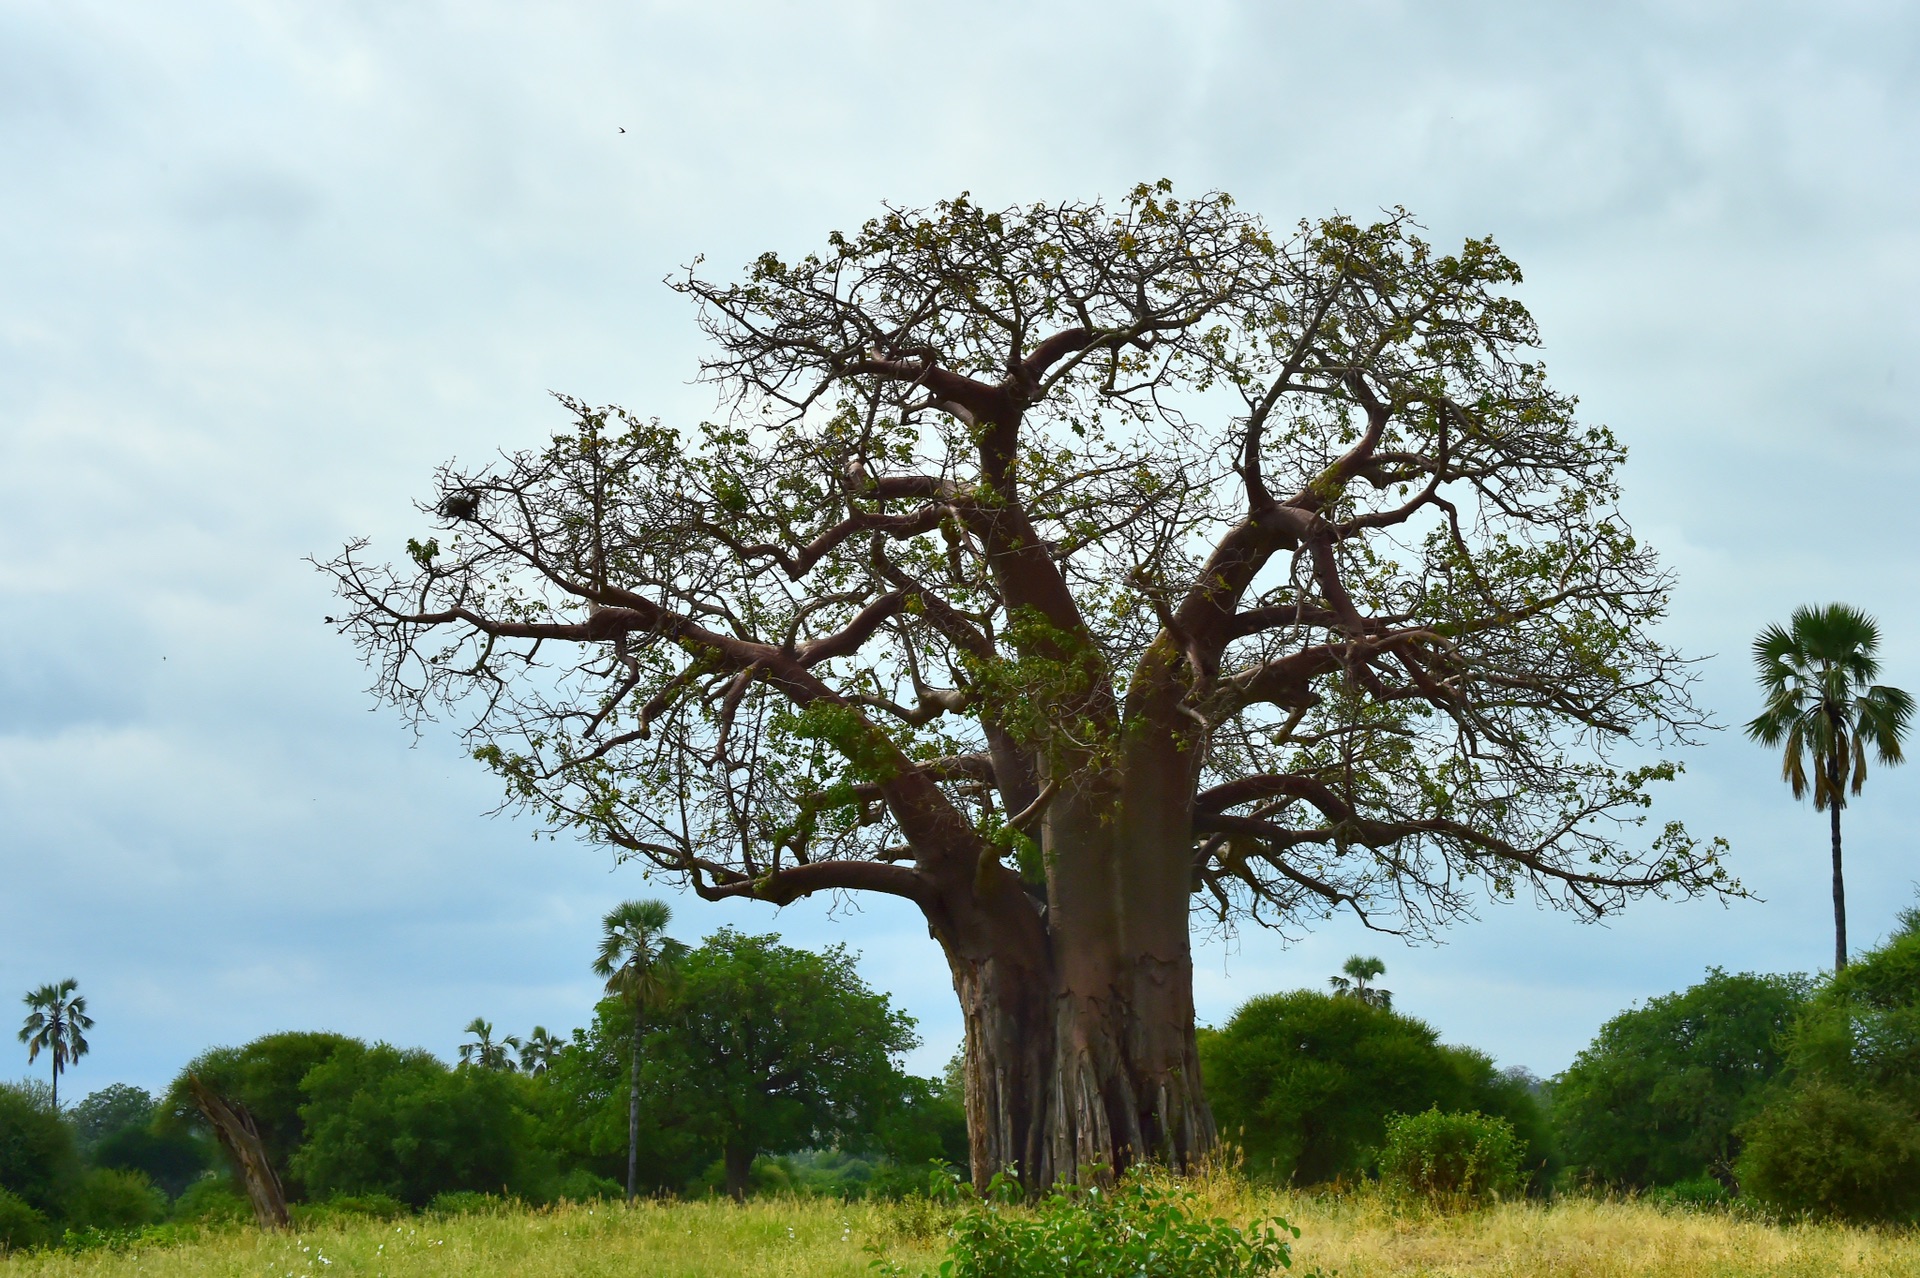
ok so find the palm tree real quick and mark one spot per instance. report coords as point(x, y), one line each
point(539, 1051)
point(1359, 971)
point(1822, 702)
point(637, 960)
point(56, 1017)
point(483, 1051)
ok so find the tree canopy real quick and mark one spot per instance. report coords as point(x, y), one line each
point(1305, 1082)
point(1049, 565)
point(766, 1048)
point(1662, 1092)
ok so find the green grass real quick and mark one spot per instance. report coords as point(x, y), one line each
point(1360, 1236)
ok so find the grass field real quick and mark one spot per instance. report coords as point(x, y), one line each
point(1362, 1237)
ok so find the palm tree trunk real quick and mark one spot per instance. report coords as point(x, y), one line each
point(1839, 889)
point(633, 1115)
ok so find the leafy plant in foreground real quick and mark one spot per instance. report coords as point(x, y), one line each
point(1453, 1160)
point(1140, 1226)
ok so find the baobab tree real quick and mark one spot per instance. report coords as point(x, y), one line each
point(1074, 572)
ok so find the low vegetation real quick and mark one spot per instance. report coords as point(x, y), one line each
point(1362, 1234)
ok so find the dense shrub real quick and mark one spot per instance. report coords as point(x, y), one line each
point(1698, 1192)
point(1841, 1136)
point(385, 1121)
point(112, 1201)
point(1451, 1159)
point(1139, 1227)
point(21, 1224)
point(349, 1207)
point(172, 1159)
point(1660, 1094)
point(38, 1162)
point(466, 1202)
point(212, 1200)
point(1824, 1149)
point(580, 1186)
point(1304, 1083)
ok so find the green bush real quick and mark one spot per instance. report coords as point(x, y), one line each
point(1451, 1159)
point(385, 1121)
point(38, 1163)
point(21, 1225)
point(1304, 1082)
point(1141, 1226)
point(366, 1206)
point(212, 1200)
point(1842, 1137)
point(466, 1202)
point(113, 1201)
point(172, 1160)
point(583, 1186)
point(1660, 1094)
point(1828, 1150)
point(1695, 1193)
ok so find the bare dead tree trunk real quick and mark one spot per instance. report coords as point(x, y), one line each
point(240, 1137)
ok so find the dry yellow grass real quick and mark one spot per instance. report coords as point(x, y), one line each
point(1361, 1236)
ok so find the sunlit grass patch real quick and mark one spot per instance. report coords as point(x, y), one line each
point(1360, 1235)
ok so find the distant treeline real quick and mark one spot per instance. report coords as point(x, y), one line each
point(1801, 1095)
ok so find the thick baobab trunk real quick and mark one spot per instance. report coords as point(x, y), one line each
point(1081, 1058)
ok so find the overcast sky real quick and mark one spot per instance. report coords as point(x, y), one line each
point(262, 265)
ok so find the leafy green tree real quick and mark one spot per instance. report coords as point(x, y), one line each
point(265, 1078)
point(1841, 1135)
point(380, 1120)
point(1356, 981)
point(586, 1123)
point(1105, 556)
point(108, 1111)
point(38, 1162)
point(1304, 1082)
point(115, 1130)
point(1823, 706)
point(56, 1021)
point(483, 1052)
point(639, 962)
point(539, 1050)
point(1661, 1093)
point(113, 1198)
point(767, 1049)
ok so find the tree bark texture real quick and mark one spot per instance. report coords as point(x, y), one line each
point(1081, 1057)
point(633, 1115)
point(738, 1160)
point(240, 1137)
point(1839, 887)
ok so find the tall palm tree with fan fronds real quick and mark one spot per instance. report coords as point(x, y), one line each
point(1824, 706)
point(56, 1023)
point(638, 959)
